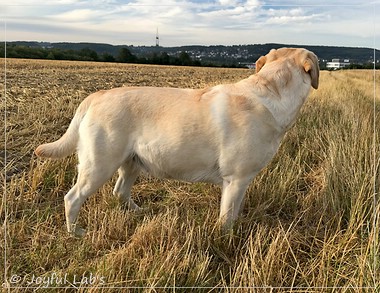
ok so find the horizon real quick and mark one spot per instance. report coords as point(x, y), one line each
point(190, 45)
point(346, 23)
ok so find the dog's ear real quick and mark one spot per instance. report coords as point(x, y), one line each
point(260, 63)
point(311, 66)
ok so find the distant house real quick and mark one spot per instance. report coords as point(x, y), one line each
point(248, 65)
point(337, 64)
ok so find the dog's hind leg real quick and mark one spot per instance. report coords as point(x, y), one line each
point(128, 173)
point(91, 176)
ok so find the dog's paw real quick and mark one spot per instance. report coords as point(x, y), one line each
point(130, 206)
point(134, 207)
point(78, 232)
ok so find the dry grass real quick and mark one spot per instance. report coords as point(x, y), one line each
point(308, 223)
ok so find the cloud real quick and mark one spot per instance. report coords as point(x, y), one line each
point(77, 15)
point(227, 2)
point(242, 15)
point(345, 22)
point(297, 16)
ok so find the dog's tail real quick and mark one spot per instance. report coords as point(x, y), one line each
point(67, 144)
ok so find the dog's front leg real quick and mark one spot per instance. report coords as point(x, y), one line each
point(232, 198)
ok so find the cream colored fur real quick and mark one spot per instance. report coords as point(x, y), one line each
point(224, 134)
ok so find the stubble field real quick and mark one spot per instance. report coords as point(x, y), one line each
point(310, 221)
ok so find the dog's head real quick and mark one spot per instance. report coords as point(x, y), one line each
point(302, 58)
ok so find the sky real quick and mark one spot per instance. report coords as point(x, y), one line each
point(353, 23)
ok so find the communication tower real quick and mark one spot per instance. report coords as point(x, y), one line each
point(157, 39)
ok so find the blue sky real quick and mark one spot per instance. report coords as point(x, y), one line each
point(190, 22)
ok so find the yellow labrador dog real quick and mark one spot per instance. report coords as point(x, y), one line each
point(223, 134)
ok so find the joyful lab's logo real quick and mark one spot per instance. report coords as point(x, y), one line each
point(56, 280)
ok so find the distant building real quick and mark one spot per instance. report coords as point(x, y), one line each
point(248, 65)
point(337, 64)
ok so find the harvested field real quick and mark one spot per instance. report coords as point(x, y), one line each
point(310, 222)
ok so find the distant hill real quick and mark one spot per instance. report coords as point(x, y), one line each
point(216, 54)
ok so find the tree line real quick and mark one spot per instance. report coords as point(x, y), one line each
point(87, 54)
point(124, 55)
